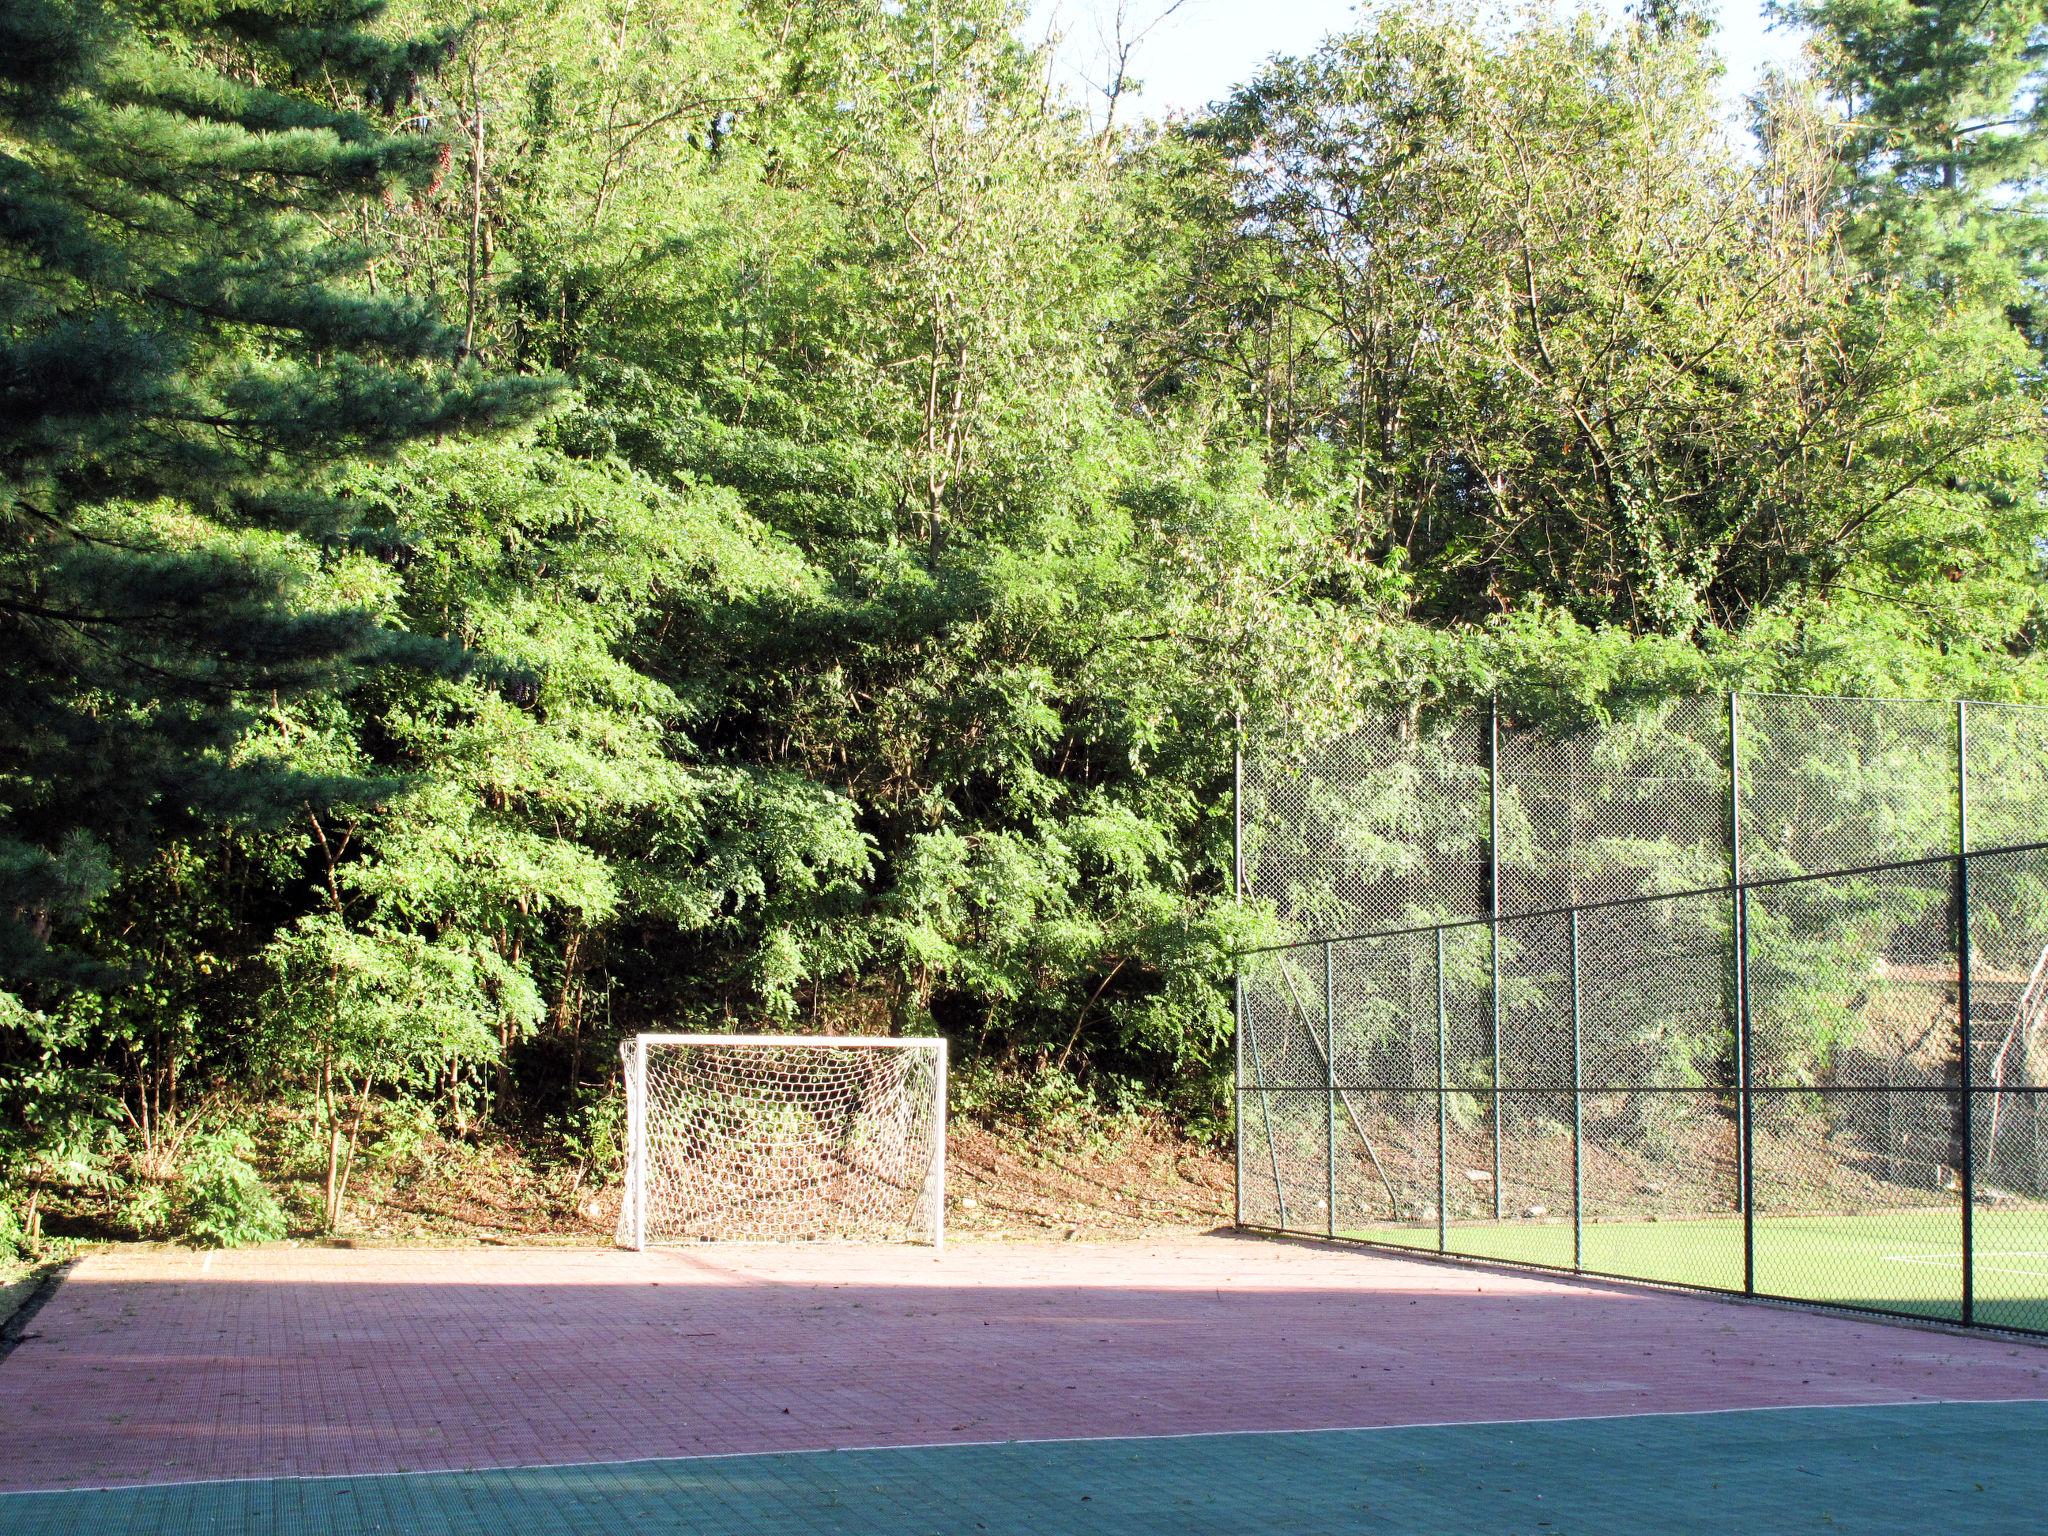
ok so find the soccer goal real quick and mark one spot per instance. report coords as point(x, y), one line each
point(784, 1138)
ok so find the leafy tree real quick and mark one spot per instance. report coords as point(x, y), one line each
point(1939, 166)
point(1946, 141)
point(1557, 343)
point(939, 486)
point(359, 1010)
point(556, 799)
point(186, 350)
point(946, 749)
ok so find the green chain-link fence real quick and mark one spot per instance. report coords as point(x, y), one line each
point(1749, 994)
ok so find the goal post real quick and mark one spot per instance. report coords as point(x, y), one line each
point(783, 1138)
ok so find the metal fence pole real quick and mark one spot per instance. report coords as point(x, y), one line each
point(638, 1191)
point(1962, 776)
point(1966, 1175)
point(1443, 1151)
point(1237, 971)
point(1248, 1040)
point(1744, 1093)
point(1578, 1115)
point(1237, 1100)
point(1493, 895)
point(1736, 938)
point(1330, 1078)
point(1891, 1120)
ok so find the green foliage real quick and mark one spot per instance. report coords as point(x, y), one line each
point(1552, 341)
point(1051, 1106)
point(594, 1133)
point(376, 1005)
point(222, 1201)
point(355, 1011)
point(1938, 167)
point(1946, 141)
point(55, 1108)
point(937, 486)
point(188, 350)
point(213, 1198)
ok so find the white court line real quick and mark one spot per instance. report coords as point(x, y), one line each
point(1026, 1440)
point(1955, 1261)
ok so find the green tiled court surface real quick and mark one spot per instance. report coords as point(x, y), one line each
point(1894, 1261)
point(1924, 1468)
point(1183, 1383)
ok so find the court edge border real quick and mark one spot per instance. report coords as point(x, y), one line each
point(967, 1445)
point(1848, 1312)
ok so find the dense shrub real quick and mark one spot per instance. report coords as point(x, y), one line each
point(222, 1201)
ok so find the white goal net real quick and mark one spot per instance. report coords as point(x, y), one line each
point(784, 1138)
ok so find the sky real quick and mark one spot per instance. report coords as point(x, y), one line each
point(1198, 53)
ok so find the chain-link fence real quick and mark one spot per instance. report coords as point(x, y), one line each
point(1744, 994)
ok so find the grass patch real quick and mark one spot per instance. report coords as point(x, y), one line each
point(1896, 1261)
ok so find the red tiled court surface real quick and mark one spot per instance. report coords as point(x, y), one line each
point(163, 1366)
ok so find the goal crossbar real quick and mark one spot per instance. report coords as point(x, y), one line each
point(805, 1042)
point(783, 1138)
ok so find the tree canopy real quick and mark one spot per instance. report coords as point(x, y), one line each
point(533, 523)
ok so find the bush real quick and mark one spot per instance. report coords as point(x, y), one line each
point(13, 1240)
point(1054, 1106)
point(594, 1131)
point(406, 1138)
point(222, 1201)
point(149, 1206)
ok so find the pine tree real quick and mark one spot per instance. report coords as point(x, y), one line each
point(1947, 142)
point(189, 342)
point(1942, 156)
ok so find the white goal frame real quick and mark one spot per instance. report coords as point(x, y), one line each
point(634, 1049)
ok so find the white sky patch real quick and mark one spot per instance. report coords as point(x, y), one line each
point(1204, 48)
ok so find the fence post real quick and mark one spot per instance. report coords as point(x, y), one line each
point(1746, 1117)
point(1962, 776)
point(1966, 1175)
point(1237, 1100)
point(1736, 915)
point(637, 1192)
point(1247, 1038)
point(1578, 1115)
point(1330, 1077)
point(1493, 901)
point(938, 1172)
point(1443, 1150)
point(1237, 970)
